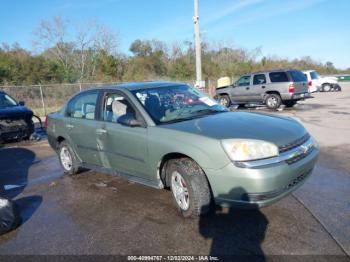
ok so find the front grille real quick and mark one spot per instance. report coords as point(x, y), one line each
point(299, 157)
point(293, 144)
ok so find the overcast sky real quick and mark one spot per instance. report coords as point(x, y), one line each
point(284, 28)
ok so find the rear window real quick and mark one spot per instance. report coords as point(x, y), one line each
point(313, 75)
point(278, 77)
point(297, 76)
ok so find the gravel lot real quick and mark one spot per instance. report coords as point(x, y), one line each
point(94, 213)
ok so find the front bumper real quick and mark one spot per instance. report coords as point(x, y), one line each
point(261, 185)
point(15, 129)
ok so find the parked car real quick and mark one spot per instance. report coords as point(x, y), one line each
point(170, 135)
point(272, 88)
point(312, 81)
point(15, 119)
point(322, 84)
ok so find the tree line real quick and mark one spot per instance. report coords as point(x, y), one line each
point(66, 53)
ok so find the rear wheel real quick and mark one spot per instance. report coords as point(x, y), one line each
point(326, 87)
point(189, 186)
point(289, 103)
point(67, 159)
point(273, 101)
point(224, 100)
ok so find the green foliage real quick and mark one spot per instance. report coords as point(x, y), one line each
point(150, 59)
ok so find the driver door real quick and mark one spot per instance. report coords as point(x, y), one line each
point(123, 148)
point(241, 90)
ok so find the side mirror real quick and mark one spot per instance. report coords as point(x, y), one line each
point(234, 85)
point(129, 120)
point(21, 103)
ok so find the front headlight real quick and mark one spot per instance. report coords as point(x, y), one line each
point(249, 149)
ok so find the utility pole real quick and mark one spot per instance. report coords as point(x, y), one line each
point(197, 45)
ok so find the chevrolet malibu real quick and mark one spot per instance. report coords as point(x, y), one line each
point(170, 135)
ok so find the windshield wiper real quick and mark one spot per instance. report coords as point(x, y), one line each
point(210, 111)
point(179, 120)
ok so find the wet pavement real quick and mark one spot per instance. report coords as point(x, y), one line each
point(94, 213)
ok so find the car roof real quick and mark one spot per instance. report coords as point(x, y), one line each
point(140, 85)
point(273, 70)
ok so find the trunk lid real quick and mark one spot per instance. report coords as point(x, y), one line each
point(299, 81)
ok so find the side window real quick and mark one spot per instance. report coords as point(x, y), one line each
point(276, 77)
point(116, 105)
point(243, 81)
point(259, 79)
point(83, 106)
point(313, 75)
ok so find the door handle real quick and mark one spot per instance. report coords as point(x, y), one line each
point(101, 131)
point(263, 86)
point(247, 88)
point(69, 126)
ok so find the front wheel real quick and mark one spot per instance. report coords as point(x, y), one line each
point(273, 101)
point(189, 187)
point(224, 100)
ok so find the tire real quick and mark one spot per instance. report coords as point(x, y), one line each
point(224, 100)
point(9, 215)
point(290, 103)
point(273, 101)
point(337, 89)
point(68, 159)
point(185, 174)
point(326, 88)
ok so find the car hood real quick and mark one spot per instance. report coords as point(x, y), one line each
point(330, 79)
point(244, 125)
point(15, 112)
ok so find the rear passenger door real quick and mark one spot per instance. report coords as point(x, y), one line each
point(81, 126)
point(258, 87)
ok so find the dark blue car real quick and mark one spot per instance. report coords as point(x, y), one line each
point(15, 119)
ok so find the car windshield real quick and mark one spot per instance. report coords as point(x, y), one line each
point(176, 103)
point(314, 75)
point(6, 101)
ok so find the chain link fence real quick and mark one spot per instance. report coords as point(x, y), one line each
point(44, 99)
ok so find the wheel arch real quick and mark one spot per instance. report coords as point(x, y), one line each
point(59, 140)
point(269, 93)
point(162, 165)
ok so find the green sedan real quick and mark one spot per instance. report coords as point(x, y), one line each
point(170, 135)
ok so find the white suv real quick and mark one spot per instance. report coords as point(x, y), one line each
point(319, 83)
